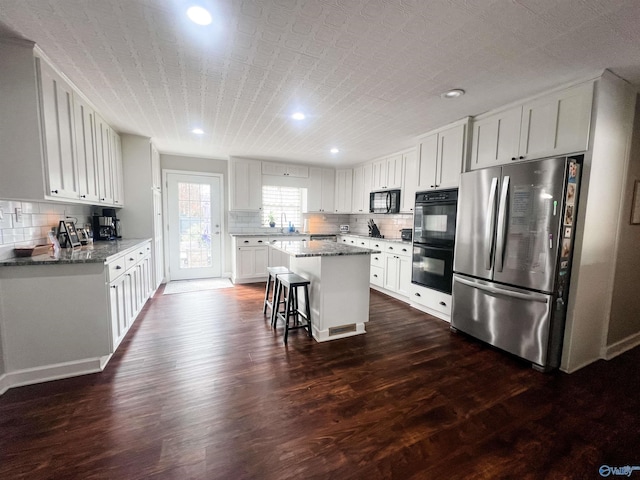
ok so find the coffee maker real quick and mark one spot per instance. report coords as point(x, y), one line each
point(106, 226)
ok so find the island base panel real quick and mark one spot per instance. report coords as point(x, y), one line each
point(339, 294)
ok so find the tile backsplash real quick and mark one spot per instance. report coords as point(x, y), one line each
point(389, 225)
point(34, 221)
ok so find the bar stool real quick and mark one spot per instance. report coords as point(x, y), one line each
point(272, 273)
point(291, 282)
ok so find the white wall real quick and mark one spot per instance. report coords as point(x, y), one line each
point(624, 324)
point(598, 221)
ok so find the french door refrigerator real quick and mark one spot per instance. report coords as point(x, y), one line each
point(512, 259)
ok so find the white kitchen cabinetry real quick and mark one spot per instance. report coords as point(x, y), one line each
point(142, 216)
point(285, 170)
point(60, 151)
point(442, 157)
point(129, 289)
point(496, 138)
point(554, 124)
point(63, 334)
point(357, 199)
point(117, 180)
point(387, 173)
point(86, 150)
point(321, 190)
point(56, 163)
point(344, 185)
point(103, 155)
point(250, 258)
point(397, 267)
point(245, 184)
point(410, 181)
point(431, 301)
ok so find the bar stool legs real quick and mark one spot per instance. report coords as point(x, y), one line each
point(272, 273)
point(292, 282)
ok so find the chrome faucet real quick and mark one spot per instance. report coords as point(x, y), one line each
point(282, 223)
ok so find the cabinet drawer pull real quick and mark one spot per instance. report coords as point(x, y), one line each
point(259, 241)
point(375, 275)
point(54, 191)
point(246, 241)
point(118, 267)
point(443, 304)
point(113, 286)
point(404, 249)
point(131, 259)
point(417, 294)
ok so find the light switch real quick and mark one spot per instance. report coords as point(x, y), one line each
point(1, 214)
point(18, 214)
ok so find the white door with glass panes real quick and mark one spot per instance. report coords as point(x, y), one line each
point(194, 221)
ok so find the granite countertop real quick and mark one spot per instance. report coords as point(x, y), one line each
point(99, 252)
point(270, 234)
point(320, 249)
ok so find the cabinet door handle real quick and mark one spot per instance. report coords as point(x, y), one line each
point(131, 259)
point(118, 267)
point(54, 191)
point(375, 275)
point(113, 286)
point(259, 241)
point(83, 196)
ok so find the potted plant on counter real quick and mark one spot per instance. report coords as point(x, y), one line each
point(272, 222)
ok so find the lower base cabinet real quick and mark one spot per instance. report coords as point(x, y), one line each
point(130, 285)
point(67, 319)
point(433, 302)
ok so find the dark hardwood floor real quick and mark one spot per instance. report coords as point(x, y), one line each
point(201, 387)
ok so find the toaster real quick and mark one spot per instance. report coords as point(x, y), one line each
point(405, 234)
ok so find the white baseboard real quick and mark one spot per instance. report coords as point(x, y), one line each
point(612, 351)
point(4, 383)
point(30, 376)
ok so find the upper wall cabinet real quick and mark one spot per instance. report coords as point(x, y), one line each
point(387, 173)
point(442, 156)
point(321, 190)
point(410, 182)
point(245, 184)
point(555, 124)
point(285, 170)
point(61, 160)
point(344, 186)
point(59, 136)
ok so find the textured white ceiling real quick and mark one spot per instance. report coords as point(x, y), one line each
point(368, 73)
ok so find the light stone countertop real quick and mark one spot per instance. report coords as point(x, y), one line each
point(99, 252)
point(320, 249)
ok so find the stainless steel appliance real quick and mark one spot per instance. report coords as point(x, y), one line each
point(434, 228)
point(406, 234)
point(513, 249)
point(387, 201)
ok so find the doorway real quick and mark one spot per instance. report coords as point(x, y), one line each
point(194, 222)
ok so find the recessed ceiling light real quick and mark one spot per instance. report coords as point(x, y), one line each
point(199, 15)
point(454, 93)
point(298, 116)
point(198, 131)
point(334, 150)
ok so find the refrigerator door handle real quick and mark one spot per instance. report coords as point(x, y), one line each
point(490, 223)
point(502, 223)
point(533, 297)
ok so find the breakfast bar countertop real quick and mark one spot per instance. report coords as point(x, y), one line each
point(320, 249)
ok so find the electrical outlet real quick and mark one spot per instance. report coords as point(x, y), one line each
point(18, 214)
point(1, 214)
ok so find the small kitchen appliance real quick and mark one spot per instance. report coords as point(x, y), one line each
point(405, 234)
point(106, 226)
point(344, 228)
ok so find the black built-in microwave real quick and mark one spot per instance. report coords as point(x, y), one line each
point(386, 201)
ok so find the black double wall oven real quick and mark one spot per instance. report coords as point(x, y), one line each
point(434, 231)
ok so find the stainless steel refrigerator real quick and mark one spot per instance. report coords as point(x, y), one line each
point(512, 259)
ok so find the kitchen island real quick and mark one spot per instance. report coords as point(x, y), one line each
point(339, 290)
